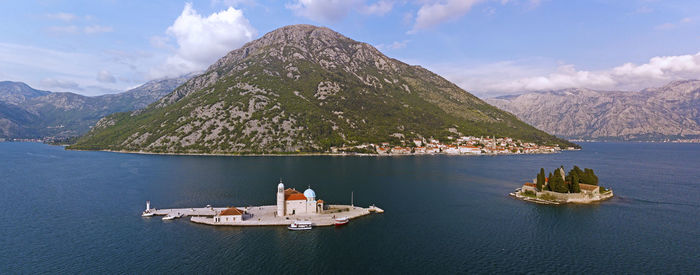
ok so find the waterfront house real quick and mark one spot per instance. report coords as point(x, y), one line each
point(229, 215)
point(470, 150)
point(589, 189)
point(451, 150)
point(382, 150)
point(529, 186)
point(401, 150)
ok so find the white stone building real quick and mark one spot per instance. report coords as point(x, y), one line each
point(292, 202)
point(470, 150)
point(229, 216)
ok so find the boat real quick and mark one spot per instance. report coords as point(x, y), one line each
point(300, 225)
point(341, 221)
point(172, 216)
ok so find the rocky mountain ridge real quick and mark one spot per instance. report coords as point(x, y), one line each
point(668, 112)
point(29, 113)
point(304, 88)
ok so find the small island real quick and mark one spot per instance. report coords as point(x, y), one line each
point(578, 186)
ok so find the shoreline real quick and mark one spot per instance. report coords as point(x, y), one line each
point(601, 198)
point(302, 154)
point(265, 215)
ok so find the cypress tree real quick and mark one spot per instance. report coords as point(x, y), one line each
point(558, 184)
point(589, 177)
point(540, 179)
point(575, 187)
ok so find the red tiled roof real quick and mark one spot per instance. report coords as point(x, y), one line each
point(289, 191)
point(231, 212)
point(295, 197)
point(530, 184)
point(319, 201)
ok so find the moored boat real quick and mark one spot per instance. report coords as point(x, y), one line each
point(172, 216)
point(341, 221)
point(300, 225)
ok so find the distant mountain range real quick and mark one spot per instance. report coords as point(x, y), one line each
point(304, 88)
point(670, 112)
point(29, 113)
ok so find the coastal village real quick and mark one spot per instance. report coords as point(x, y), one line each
point(463, 145)
point(297, 210)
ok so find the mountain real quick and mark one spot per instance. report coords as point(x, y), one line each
point(668, 112)
point(29, 113)
point(303, 88)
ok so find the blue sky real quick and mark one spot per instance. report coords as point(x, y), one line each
point(487, 47)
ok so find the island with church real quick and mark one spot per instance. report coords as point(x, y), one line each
point(292, 208)
point(578, 186)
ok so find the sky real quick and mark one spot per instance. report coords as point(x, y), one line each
point(487, 47)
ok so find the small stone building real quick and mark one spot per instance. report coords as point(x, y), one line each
point(229, 215)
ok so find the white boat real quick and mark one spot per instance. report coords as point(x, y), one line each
point(300, 225)
point(172, 216)
point(341, 221)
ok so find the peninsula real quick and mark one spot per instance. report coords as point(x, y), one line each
point(579, 186)
point(292, 207)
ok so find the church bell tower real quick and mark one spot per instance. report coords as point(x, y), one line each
point(280, 199)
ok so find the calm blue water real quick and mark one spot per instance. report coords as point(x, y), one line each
point(65, 211)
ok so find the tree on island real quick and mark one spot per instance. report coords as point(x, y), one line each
point(557, 182)
point(589, 177)
point(575, 187)
point(540, 179)
point(549, 182)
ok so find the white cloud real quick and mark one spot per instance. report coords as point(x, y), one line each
point(323, 10)
point(203, 40)
point(665, 26)
point(393, 46)
point(105, 77)
point(57, 30)
point(73, 29)
point(522, 76)
point(380, 7)
point(670, 26)
point(232, 3)
point(97, 29)
point(335, 10)
point(59, 70)
point(61, 84)
point(434, 13)
point(63, 16)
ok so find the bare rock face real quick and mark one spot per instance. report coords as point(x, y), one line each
point(668, 112)
point(304, 88)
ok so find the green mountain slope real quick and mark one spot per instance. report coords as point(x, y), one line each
point(303, 88)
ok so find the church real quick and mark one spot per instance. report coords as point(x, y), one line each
point(292, 202)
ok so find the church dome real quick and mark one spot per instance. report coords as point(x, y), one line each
point(310, 194)
point(281, 185)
